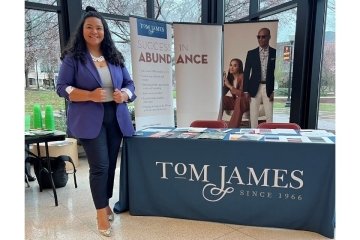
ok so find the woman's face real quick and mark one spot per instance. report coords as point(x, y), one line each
point(234, 67)
point(93, 31)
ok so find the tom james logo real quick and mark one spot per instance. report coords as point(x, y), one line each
point(246, 181)
point(151, 28)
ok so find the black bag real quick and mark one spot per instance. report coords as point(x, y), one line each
point(60, 176)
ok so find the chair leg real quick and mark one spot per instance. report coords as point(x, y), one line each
point(68, 159)
point(71, 161)
point(74, 172)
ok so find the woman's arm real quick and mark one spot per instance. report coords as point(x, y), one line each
point(127, 87)
point(239, 86)
point(66, 77)
point(80, 95)
point(66, 82)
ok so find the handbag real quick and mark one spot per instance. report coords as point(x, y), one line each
point(59, 174)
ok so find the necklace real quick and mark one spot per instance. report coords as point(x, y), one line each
point(97, 59)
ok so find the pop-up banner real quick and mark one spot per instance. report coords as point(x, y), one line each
point(152, 72)
point(197, 72)
point(239, 39)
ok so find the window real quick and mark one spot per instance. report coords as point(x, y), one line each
point(42, 59)
point(120, 33)
point(265, 4)
point(326, 114)
point(234, 9)
point(124, 7)
point(42, 46)
point(283, 69)
point(178, 11)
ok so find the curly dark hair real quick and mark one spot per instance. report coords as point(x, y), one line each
point(77, 46)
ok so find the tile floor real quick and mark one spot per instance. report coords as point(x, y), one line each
point(74, 218)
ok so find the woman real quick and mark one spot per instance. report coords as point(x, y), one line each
point(234, 98)
point(94, 79)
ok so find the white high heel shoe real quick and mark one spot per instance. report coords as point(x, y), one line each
point(106, 232)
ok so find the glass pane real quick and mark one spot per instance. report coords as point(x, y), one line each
point(42, 60)
point(326, 114)
point(235, 9)
point(178, 11)
point(120, 33)
point(283, 69)
point(49, 2)
point(264, 4)
point(124, 7)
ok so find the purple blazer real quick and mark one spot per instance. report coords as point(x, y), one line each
point(84, 119)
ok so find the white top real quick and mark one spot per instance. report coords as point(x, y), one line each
point(107, 83)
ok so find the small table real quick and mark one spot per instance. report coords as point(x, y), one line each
point(45, 138)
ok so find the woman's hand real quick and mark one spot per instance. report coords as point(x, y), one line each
point(119, 96)
point(98, 95)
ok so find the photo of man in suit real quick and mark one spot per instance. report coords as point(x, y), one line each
point(259, 77)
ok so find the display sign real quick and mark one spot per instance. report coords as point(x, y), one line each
point(287, 53)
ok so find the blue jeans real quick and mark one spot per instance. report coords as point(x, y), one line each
point(102, 153)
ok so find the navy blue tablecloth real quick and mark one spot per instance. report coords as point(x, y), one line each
point(270, 184)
